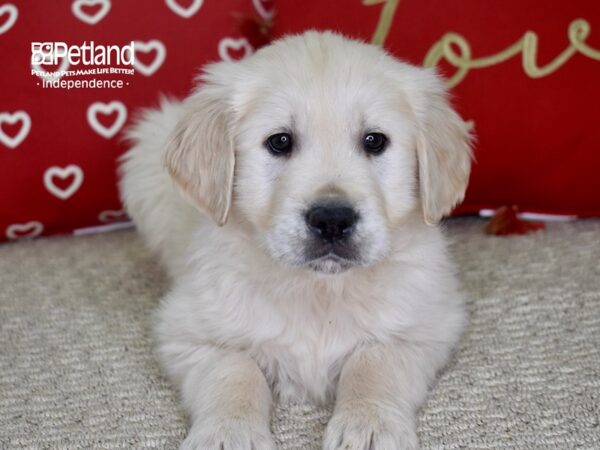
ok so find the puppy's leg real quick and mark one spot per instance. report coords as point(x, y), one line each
point(226, 396)
point(379, 392)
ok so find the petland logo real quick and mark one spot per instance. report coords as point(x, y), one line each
point(106, 60)
point(87, 54)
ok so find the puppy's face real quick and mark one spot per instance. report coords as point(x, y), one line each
point(316, 144)
point(326, 163)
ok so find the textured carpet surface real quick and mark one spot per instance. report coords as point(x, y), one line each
point(77, 368)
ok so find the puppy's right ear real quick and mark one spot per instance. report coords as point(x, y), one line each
point(443, 149)
point(200, 156)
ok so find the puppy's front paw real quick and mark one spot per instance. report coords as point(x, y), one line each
point(369, 428)
point(228, 434)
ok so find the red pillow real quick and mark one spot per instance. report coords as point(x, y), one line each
point(538, 134)
point(58, 146)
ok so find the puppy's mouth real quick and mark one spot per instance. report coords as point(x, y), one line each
point(332, 259)
point(330, 264)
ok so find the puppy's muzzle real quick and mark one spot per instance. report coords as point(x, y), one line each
point(331, 222)
point(331, 247)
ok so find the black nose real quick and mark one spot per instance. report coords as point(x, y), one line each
point(331, 222)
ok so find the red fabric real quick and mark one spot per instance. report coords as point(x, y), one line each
point(60, 174)
point(506, 222)
point(538, 139)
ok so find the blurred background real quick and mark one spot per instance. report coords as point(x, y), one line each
point(524, 75)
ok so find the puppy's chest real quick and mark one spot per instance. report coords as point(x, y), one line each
point(303, 360)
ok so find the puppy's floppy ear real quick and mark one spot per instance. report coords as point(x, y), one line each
point(200, 156)
point(443, 150)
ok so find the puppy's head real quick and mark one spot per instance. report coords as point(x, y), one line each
point(323, 146)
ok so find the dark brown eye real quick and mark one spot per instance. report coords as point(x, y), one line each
point(279, 144)
point(375, 143)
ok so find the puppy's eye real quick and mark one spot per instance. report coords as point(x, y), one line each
point(375, 143)
point(279, 144)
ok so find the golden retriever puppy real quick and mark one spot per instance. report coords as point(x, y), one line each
point(292, 198)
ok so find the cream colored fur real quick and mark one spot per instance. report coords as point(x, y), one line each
point(247, 320)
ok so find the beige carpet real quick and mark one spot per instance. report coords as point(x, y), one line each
point(77, 370)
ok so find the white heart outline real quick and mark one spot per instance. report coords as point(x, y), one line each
point(226, 43)
point(63, 172)
point(112, 215)
point(63, 66)
point(86, 18)
point(13, 13)
point(13, 142)
point(107, 108)
point(36, 229)
point(186, 13)
point(262, 11)
point(145, 47)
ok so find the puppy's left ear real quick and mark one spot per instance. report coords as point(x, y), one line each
point(443, 150)
point(200, 155)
